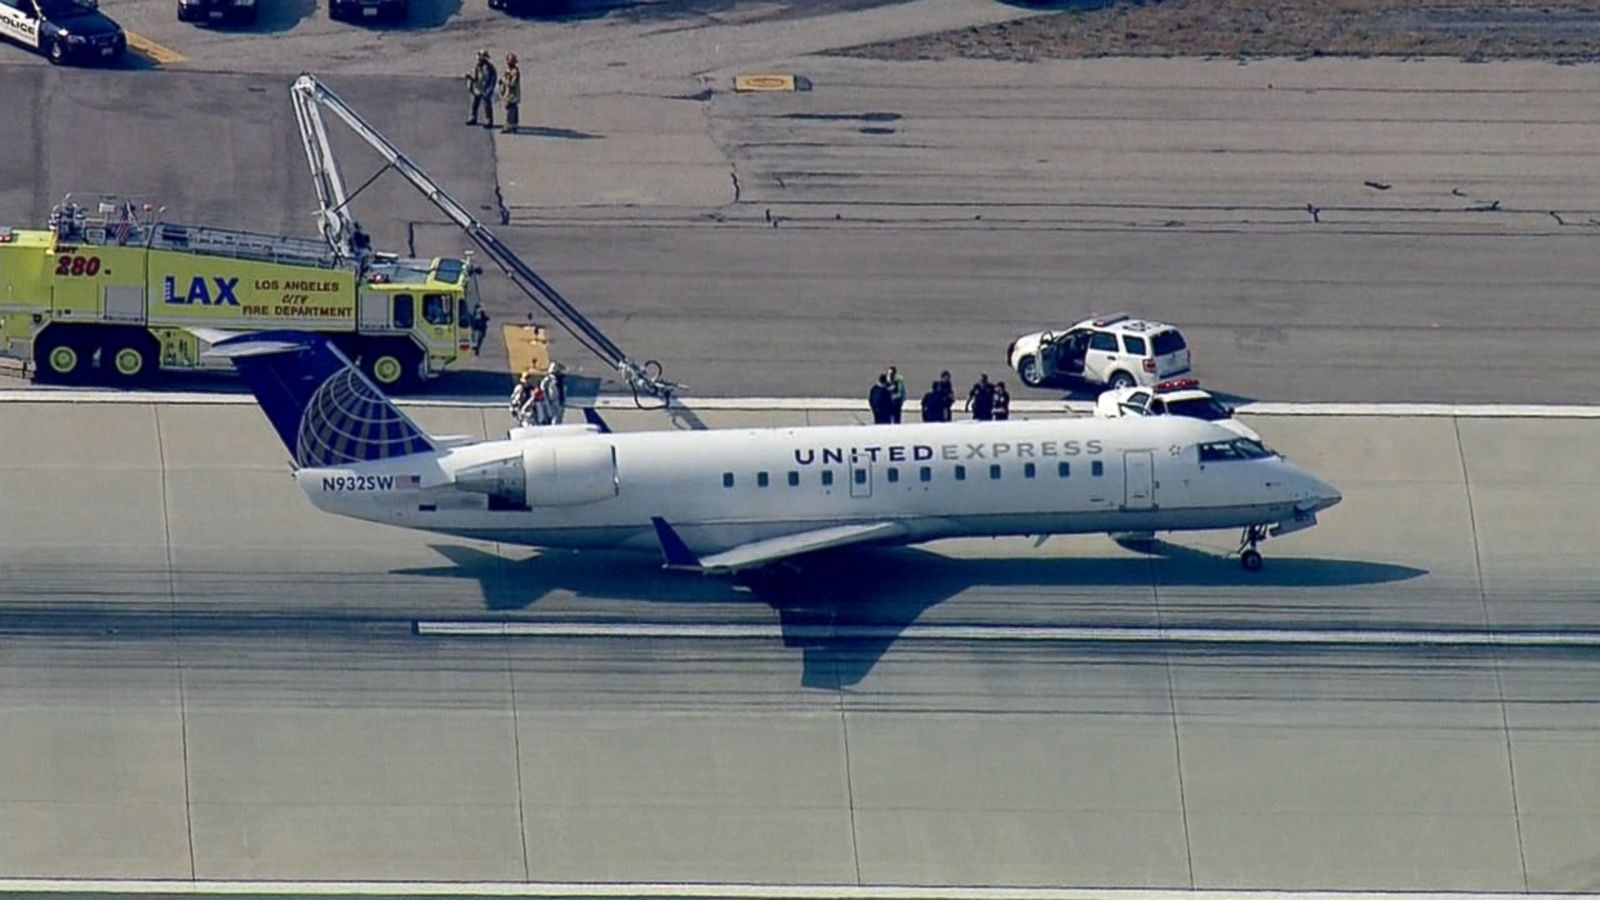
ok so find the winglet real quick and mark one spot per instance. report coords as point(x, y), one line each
point(592, 416)
point(676, 553)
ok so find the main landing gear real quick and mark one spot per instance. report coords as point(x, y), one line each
point(1249, 556)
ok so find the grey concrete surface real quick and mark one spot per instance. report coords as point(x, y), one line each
point(223, 149)
point(204, 677)
point(603, 46)
point(1176, 189)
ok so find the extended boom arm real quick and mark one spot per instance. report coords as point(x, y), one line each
point(339, 228)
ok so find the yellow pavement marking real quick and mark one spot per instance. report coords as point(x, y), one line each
point(763, 83)
point(143, 46)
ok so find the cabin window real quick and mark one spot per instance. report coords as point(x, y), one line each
point(761, 479)
point(961, 473)
point(1063, 470)
point(994, 471)
point(794, 479)
point(1097, 468)
point(927, 473)
point(827, 477)
point(894, 475)
point(860, 476)
point(1029, 470)
point(727, 479)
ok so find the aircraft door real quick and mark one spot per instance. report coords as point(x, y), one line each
point(1138, 480)
point(861, 480)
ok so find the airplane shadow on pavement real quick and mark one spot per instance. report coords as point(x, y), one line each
point(845, 609)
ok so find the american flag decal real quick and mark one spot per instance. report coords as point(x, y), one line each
point(411, 481)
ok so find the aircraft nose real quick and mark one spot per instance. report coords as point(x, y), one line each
point(1327, 495)
point(1319, 492)
point(1314, 493)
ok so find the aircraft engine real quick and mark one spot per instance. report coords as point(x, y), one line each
point(557, 473)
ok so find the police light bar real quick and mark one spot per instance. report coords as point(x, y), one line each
point(1177, 384)
point(1112, 319)
point(377, 278)
point(7, 236)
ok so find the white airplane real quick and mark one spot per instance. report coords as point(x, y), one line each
point(737, 499)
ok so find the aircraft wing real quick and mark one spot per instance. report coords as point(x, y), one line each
point(770, 550)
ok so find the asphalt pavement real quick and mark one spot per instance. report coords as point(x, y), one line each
point(204, 677)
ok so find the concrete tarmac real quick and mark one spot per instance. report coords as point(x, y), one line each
point(203, 677)
point(796, 243)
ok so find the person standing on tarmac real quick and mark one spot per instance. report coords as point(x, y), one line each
point(481, 81)
point(522, 398)
point(934, 407)
point(948, 388)
point(878, 400)
point(1002, 402)
point(981, 399)
point(897, 394)
point(511, 94)
point(480, 328)
point(554, 390)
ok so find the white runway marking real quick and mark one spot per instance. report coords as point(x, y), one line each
point(1097, 634)
point(843, 404)
point(689, 891)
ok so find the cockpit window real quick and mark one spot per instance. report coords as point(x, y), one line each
point(1240, 448)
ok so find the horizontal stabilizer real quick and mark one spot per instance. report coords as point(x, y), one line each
point(770, 550)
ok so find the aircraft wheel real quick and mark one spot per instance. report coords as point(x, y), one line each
point(1251, 560)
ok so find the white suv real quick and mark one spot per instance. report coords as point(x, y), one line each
point(1117, 351)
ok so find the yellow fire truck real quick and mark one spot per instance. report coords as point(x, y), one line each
point(101, 295)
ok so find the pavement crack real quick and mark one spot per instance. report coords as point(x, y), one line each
point(177, 644)
point(849, 776)
point(1495, 654)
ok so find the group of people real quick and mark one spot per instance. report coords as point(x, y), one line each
point(986, 400)
point(541, 401)
point(483, 82)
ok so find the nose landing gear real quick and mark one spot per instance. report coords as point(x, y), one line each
point(1249, 556)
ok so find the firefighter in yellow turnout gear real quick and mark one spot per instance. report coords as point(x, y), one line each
point(511, 93)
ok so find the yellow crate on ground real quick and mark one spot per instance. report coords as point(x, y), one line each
point(527, 347)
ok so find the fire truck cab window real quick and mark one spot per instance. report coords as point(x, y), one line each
point(404, 312)
point(436, 308)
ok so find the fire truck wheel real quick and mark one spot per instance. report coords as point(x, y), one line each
point(61, 360)
point(392, 369)
point(129, 360)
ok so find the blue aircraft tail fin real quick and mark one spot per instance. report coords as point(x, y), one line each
point(326, 412)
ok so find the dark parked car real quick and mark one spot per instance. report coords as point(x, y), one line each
point(63, 30)
point(532, 7)
point(222, 12)
point(369, 10)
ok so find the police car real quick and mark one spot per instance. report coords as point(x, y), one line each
point(1174, 397)
point(63, 30)
point(1117, 351)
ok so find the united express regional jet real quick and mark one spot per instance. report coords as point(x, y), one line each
point(736, 499)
